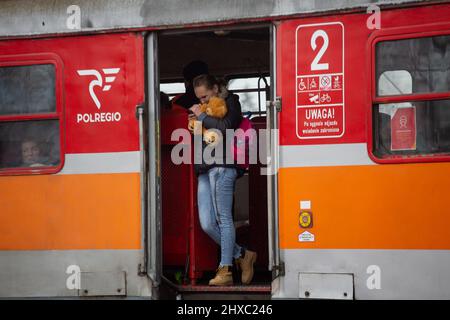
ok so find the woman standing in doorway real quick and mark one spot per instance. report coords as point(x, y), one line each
point(216, 184)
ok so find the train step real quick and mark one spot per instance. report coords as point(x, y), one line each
point(260, 290)
point(256, 288)
point(235, 292)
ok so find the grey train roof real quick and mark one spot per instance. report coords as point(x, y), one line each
point(40, 17)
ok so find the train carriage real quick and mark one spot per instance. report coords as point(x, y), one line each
point(348, 201)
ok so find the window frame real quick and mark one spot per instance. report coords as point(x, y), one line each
point(253, 89)
point(30, 60)
point(236, 91)
point(400, 33)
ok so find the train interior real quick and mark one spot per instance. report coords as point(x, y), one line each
point(242, 57)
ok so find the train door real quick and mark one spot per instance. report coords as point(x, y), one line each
point(306, 107)
point(363, 145)
point(307, 115)
point(242, 57)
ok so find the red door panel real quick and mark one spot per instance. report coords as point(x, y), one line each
point(326, 50)
point(103, 81)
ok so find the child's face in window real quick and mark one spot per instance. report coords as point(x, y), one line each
point(30, 152)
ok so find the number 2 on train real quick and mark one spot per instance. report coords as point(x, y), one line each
point(315, 65)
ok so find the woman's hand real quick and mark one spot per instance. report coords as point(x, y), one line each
point(196, 109)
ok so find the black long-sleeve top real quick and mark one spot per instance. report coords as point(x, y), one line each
point(232, 120)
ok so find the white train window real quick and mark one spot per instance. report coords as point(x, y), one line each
point(251, 92)
point(396, 82)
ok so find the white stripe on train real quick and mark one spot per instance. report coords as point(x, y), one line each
point(346, 154)
point(325, 155)
point(92, 163)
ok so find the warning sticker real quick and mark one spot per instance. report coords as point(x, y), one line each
point(320, 80)
point(306, 237)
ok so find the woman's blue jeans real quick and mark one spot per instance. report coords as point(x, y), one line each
point(215, 203)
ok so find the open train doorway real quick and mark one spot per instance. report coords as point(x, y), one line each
point(241, 56)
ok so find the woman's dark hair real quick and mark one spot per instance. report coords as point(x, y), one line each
point(193, 69)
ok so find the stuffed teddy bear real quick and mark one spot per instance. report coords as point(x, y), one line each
point(217, 108)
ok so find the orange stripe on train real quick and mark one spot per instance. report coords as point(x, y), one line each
point(368, 207)
point(51, 212)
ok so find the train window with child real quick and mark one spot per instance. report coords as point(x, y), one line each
point(29, 118)
point(411, 114)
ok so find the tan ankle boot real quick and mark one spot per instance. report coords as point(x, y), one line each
point(245, 263)
point(223, 277)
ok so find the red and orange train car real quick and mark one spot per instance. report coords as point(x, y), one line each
point(354, 206)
